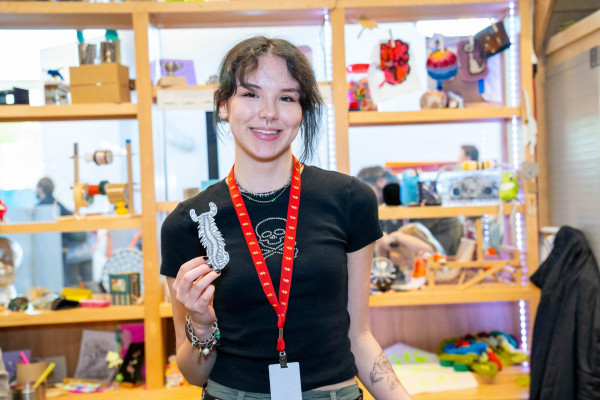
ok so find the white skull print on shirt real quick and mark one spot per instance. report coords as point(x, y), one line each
point(270, 233)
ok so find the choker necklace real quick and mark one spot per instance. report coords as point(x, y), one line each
point(247, 194)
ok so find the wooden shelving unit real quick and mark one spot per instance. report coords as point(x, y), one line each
point(78, 315)
point(85, 223)
point(140, 17)
point(72, 112)
point(402, 212)
point(433, 116)
point(446, 294)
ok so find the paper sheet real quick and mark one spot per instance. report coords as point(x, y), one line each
point(429, 377)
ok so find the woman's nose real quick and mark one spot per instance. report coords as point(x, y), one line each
point(269, 111)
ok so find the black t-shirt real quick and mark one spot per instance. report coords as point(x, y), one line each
point(338, 215)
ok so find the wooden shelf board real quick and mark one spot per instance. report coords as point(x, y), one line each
point(71, 316)
point(410, 10)
point(238, 13)
point(168, 206)
point(65, 15)
point(403, 212)
point(577, 31)
point(86, 223)
point(440, 294)
point(126, 393)
point(165, 310)
point(71, 112)
point(432, 116)
point(448, 294)
point(501, 387)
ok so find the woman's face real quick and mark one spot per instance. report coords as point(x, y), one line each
point(265, 117)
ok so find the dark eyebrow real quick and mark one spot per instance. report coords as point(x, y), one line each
point(251, 86)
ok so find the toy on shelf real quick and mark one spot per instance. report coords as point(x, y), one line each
point(56, 91)
point(119, 194)
point(173, 375)
point(11, 255)
point(114, 361)
point(434, 99)
point(485, 265)
point(383, 273)
point(483, 353)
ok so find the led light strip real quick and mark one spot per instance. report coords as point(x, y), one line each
point(327, 34)
point(516, 147)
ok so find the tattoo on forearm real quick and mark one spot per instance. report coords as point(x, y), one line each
point(383, 371)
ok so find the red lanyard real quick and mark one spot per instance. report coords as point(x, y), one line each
point(289, 244)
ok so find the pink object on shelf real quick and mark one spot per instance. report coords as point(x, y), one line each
point(94, 303)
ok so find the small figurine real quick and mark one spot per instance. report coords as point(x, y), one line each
point(509, 187)
point(114, 361)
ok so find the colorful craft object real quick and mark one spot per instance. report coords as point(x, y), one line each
point(472, 61)
point(359, 97)
point(393, 57)
point(484, 353)
point(493, 39)
point(442, 65)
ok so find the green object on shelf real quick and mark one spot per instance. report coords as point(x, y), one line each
point(446, 363)
point(111, 35)
point(461, 367)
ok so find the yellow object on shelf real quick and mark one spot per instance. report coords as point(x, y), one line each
point(76, 294)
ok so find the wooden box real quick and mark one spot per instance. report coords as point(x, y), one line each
point(102, 83)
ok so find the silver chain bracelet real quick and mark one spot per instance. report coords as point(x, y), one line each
point(204, 346)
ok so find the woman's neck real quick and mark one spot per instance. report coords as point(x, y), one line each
point(261, 176)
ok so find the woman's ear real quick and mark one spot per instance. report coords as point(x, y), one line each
point(223, 113)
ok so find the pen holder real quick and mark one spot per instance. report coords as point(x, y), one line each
point(26, 391)
point(87, 53)
point(110, 52)
point(30, 372)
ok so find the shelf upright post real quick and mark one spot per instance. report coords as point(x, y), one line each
point(530, 186)
point(337, 17)
point(76, 171)
point(130, 203)
point(155, 344)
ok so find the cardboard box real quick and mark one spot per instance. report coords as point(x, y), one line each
point(102, 83)
point(124, 288)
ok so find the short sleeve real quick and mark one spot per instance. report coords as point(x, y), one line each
point(363, 216)
point(179, 241)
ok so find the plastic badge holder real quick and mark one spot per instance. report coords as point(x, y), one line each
point(460, 188)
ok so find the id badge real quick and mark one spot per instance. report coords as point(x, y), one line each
point(285, 382)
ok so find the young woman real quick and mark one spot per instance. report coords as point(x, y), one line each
point(268, 269)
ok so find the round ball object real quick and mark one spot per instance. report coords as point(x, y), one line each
point(442, 65)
